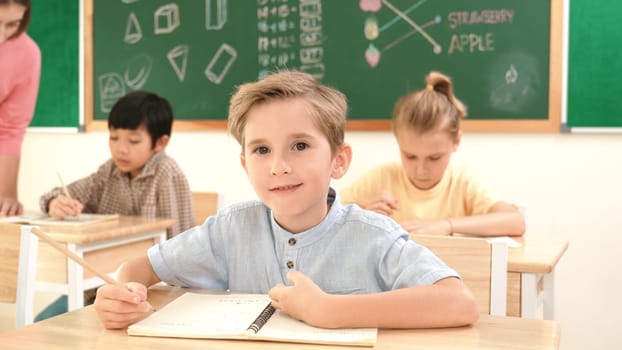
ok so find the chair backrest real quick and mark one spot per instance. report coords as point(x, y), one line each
point(206, 204)
point(18, 265)
point(481, 264)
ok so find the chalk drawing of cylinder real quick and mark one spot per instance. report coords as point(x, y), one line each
point(215, 14)
point(166, 19)
point(220, 63)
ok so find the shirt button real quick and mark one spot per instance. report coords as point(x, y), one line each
point(290, 264)
point(292, 241)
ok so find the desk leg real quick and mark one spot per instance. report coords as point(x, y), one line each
point(75, 280)
point(529, 295)
point(532, 298)
point(549, 296)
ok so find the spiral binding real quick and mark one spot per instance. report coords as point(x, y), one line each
point(261, 320)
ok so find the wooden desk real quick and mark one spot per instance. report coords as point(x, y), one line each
point(80, 329)
point(104, 245)
point(531, 273)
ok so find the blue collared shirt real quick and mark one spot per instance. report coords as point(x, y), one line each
point(243, 249)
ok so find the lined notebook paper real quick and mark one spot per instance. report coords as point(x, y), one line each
point(240, 316)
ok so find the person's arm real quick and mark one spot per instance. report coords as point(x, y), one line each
point(87, 191)
point(118, 307)
point(371, 189)
point(383, 203)
point(447, 303)
point(175, 201)
point(62, 207)
point(16, 112)
point(9, 205)
point(502, 219)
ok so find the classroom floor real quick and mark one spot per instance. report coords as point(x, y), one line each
point(7, 311)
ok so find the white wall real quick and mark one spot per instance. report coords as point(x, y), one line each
point(571, 184)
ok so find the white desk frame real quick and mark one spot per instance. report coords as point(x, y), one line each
point(76, 284)
point(533, 298)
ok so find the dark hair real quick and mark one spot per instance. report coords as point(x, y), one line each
point(142, 108)
point(25, 19)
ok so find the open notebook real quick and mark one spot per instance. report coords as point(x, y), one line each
point(82, 219)
point(240, 316)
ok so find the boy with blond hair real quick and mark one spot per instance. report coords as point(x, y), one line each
point(321, 262)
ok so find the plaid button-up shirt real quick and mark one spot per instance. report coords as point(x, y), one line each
point(160, 190)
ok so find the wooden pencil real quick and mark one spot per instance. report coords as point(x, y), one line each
point(65, 190)
point(71, 255)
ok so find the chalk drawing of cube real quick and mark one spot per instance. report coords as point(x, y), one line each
point(220, 63)
point(215, 14)
point(166, 19)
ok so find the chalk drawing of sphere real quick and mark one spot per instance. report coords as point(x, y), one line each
point(137, 71)
point(371, 28)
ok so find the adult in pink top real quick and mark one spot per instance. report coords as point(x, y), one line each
point(20, 70)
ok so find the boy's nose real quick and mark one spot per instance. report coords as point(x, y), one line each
point(280, 166)
point(122, 148)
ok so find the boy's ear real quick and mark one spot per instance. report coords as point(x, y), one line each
point(243, 161)
point(342, 160)
point(457, 140)
point(161, 143)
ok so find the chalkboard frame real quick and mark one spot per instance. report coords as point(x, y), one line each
point(551, 124)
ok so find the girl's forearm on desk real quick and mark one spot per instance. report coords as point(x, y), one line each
point(491, 224)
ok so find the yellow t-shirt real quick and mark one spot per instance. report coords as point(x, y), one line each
point(458, 193)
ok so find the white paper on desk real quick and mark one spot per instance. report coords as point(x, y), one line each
point(44, 219)
point(504, 239)
point(19, 219)
point(229, 316)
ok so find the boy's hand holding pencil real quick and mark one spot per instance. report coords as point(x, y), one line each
point(64, 205)
point(119, 306)
point(126, 303)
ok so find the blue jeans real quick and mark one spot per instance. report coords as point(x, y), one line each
point(60, 305)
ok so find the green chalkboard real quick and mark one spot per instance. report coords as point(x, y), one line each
point(594, 64)
point(54, 26)
point(195, 52)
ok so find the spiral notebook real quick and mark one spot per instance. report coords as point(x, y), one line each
point(240, 316)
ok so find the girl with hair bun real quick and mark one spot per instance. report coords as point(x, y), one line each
point(424, 192)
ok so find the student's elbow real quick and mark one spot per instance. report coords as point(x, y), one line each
point(468, 310)
point(462, 307)
point(472, 312)
point(519, 226)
